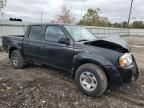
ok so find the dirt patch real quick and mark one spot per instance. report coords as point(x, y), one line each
point(41, 86)
point(135, 40)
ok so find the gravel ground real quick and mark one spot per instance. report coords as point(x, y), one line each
point(44, 87)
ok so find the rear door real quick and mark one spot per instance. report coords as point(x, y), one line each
point(55, 53)
point(33, 43)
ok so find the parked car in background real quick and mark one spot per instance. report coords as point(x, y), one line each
point(94, 64)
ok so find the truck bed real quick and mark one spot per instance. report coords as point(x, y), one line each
point(12, 40)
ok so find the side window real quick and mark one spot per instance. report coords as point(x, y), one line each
point(35, 33)
point(53, 33)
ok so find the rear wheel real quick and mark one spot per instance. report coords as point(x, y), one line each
point(91, 79)
point(17, 59)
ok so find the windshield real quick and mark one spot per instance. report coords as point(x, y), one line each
point(79, 33)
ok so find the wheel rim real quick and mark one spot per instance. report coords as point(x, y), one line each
point(88, 81)
point(15, 59)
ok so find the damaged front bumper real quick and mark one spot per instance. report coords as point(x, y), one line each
point(119, 76)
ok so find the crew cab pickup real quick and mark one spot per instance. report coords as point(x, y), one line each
point(94, 64)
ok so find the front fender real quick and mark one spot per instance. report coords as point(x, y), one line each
point(90, 57)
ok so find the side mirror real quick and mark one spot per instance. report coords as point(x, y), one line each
point(64, 41)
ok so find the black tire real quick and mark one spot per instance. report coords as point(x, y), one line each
point(15, 54)
point(98, 73)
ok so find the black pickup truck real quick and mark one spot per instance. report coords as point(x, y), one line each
point(94, 64)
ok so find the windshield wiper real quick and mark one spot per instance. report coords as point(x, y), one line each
point(82, 40)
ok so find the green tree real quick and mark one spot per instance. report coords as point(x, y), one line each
point(120, 25)
point(105, 22)
point(124, 24)
point(138, 24)
point(92, 18)
point(117, 25)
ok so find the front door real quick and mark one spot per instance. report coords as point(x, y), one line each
point(55, 53)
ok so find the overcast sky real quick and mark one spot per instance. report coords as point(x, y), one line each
point(30, 10)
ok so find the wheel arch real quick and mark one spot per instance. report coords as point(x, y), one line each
point(84, 61)
point(11, 49)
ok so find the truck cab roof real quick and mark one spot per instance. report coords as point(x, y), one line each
point(58, 24)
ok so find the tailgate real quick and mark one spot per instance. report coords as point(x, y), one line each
point(5, 42)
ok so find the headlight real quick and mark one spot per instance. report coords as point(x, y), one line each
point(125, 60)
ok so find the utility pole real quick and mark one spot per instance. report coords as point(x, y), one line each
point(131, 6)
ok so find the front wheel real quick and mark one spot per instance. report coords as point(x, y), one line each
point(17, 59)
point(91, 79)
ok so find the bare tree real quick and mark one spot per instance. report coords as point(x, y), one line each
point(65, 16)
point(2, 5)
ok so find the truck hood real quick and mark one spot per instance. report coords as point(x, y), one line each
point(116, 43)
point(117, 40)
